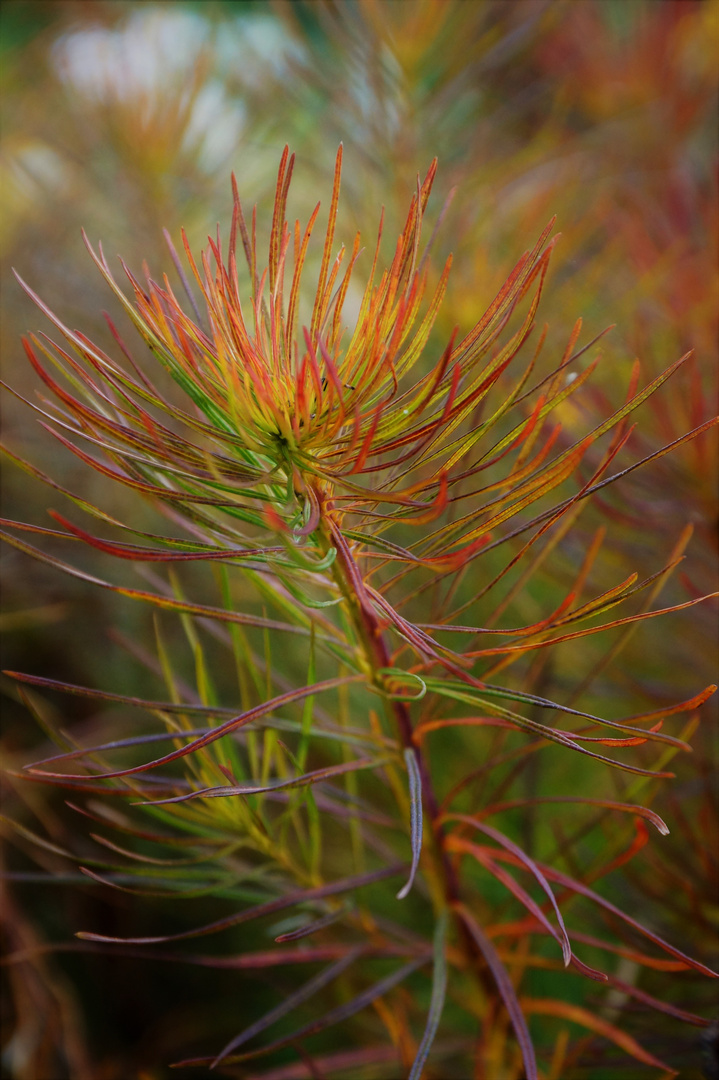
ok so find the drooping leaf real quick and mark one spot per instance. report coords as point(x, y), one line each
point(583, 890)
point(525, 723)
point(506, 990)
point(529, 864)
point(415, 829)
point(589, 1019)
point(609, 804)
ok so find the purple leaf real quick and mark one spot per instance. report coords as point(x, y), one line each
point(506, 990)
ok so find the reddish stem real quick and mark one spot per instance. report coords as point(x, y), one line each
point(350, 581)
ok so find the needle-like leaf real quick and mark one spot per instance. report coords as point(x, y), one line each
point(415, 829)
point(292, 1001)
point(506, 990)
point(439, 990)
point(269, 908)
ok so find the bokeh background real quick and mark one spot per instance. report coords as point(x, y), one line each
point(126, 118)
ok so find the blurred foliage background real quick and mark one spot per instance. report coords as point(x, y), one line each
point(126, 118)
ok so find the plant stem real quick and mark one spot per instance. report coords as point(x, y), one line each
point(376, 657)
